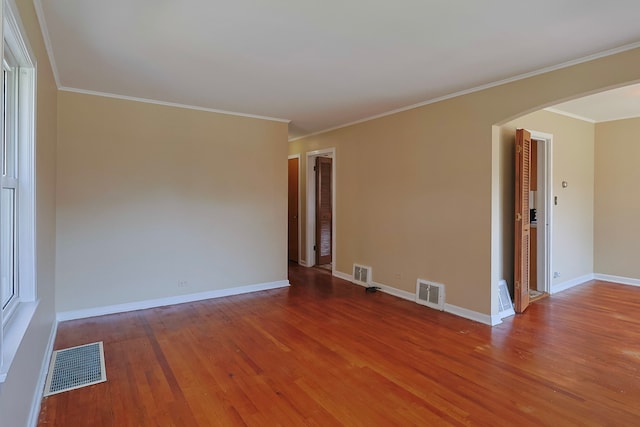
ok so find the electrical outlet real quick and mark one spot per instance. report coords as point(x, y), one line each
point(556, 274)
point(183, 284)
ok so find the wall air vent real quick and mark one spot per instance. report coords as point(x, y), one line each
point(430, 294)
point(361, 275)
point(504, 300)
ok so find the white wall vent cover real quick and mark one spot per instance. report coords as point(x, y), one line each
point(430, 294)
point(504, 300)
point(361, 275)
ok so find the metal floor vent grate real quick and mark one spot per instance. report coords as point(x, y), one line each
point(75, 367)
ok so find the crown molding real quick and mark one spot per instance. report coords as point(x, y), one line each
point(482, 87)
point(170, 104)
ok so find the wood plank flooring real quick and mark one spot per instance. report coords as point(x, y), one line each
point(324, 352)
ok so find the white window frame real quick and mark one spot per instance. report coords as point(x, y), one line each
point(9, 178)
point(14, 322)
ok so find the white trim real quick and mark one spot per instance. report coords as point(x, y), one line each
point(160, 302)
point(473, 315)
point(547, 221)
point(303, 263)
point(37, 395)
point(47, 40)
point(27, 185)
point(482, 87)
point(617, 279)
point(567, 114)
point(311, 205)
point(343, 276)
point(409, 296)
point(297, 156)
point(16, 36)
point(571, 283)
point(170, 104)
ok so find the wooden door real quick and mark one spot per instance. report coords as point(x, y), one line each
point(293, 209)
point(522, 221)
point(323, 210)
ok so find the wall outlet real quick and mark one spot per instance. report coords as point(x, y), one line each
point(556, 274)
point(183, 284)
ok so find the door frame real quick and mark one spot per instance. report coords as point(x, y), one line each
point(311, 206)
point(297, 156)
point(547, 203)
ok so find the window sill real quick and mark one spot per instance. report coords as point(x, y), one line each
point(14, 331)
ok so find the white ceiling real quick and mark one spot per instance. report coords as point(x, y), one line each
point(320, 64)
point(616, 104)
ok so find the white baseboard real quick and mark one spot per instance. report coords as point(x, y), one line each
point(343, 276)
point(472, 315)
point(303, 263)
point(44, 368)
point(160, 302)
point(571, 283)
point(411, 296)
point(617, 279)
point(383, 288)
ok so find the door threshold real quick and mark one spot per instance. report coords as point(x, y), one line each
point(535, 295)
point(324, 266)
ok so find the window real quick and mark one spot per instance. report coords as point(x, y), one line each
point(17, 188)
point(9, 188)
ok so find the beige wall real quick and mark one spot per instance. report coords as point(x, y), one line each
point(151, 195)
point(419, 192)
point(18, 392)
point(573, 161)
point(617, 207)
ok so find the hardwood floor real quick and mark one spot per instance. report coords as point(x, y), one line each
point(324, 352)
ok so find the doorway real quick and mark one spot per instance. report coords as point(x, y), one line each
point(532, 266)
point(543, 200)
point(321, 224)
point(293, 229)
point(323, 168)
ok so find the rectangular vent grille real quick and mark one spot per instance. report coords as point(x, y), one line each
point(362, 274)
point(75, 367)
point(504, 300)
point(430, 294)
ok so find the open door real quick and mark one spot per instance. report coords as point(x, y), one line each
point(323, 210)
point(293, 209)
point(522, 221)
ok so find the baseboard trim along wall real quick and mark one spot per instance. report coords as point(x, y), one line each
point(343, 276)
point(571, 283)
point(487, 319)
point(411, 296)
point(160, 302)
point(37, 395)
point(617, 279)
